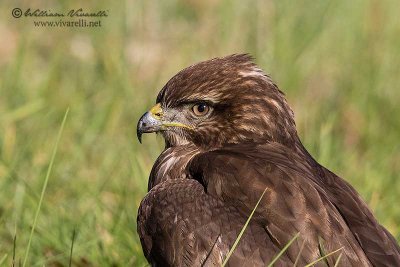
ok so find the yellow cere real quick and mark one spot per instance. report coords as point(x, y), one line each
point(156, 111)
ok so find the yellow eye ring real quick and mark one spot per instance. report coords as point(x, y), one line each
point(201, 109)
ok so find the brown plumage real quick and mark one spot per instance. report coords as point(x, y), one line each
point(230, 135)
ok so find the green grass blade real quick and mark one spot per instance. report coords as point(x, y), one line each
point(14, 249)
point(283, 250)
point(299, 254)
point(72, 247)
point(3, 259)
point(242, 231)
point(23, 111)
point(44, 187)
point(327, 255)
point(337, 261)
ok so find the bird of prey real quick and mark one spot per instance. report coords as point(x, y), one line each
point(230, 135)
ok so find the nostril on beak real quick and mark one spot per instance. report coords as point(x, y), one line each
point(148, 124)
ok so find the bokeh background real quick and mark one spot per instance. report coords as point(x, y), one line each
point(337, 61)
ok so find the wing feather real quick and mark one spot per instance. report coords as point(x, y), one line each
point(181, 225)
point(297, 199)
point(195, 217)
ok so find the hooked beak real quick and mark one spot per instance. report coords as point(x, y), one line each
point(150, 121)
point(153, 121)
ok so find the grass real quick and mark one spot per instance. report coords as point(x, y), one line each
point(46, 180)
point(243, 229)
point(72, 248)
point(283, 251)
point(337, 62)
point(324, 257)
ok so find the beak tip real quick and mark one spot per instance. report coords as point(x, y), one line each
point(147, 124)
point(139, 131)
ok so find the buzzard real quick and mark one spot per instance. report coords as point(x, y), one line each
point(230, 136)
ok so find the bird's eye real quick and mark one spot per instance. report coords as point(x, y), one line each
point(200, 109)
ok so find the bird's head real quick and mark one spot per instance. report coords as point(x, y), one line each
point(221, 101)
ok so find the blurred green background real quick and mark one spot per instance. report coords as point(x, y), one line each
point(337, 61)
